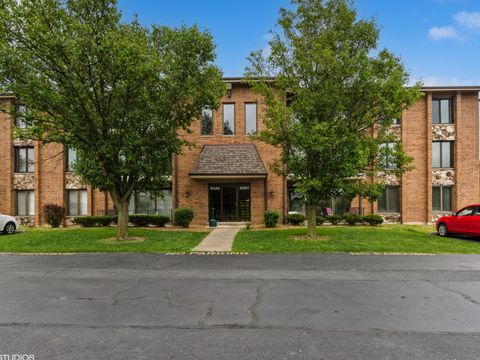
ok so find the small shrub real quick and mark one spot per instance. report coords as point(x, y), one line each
point(85, 221)
point(352, 219)
point(183, 217)
point(333, 219)
point(145, 220)
point(373, 219)
point(296, 219)
point(320, 220)
point(159, 220)
point(248, 226)
point(270, 218)
point(91, 221)
point(54, 214)
point(103, 220)
point(139, 220)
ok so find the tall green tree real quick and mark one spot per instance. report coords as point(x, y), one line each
point(331, 96)
point(117, 92)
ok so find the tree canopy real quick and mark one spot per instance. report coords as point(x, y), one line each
point(116, 92)
point(332, 100)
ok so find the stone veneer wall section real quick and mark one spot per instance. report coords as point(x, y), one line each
point(443, 132)
point(443, 177)
point(23, 182)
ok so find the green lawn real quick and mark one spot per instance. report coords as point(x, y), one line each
point(67, 240)
point(357, 239)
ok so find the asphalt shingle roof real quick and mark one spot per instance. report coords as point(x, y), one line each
point(229, 160)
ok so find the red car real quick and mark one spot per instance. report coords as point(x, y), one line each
point(465, 222)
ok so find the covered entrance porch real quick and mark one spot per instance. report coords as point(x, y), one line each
point(233, 176)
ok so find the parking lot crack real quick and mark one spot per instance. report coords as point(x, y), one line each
point(252, 310)
point(116, 297)
point(208, 314)
point(466, 297)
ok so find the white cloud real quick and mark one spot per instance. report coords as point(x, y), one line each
point(444, 32)
point(468, 20)
point(433, 80)
point(266, 49)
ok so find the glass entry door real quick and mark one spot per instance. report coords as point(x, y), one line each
point(229, 202)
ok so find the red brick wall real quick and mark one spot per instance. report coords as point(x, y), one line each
point(49, 173)
point(416, 186)
point(6, 163)
point(197, 189)
point(467, 181)
point(416, 129)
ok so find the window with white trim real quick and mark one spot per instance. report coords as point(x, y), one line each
point(77, 202)
point(442, 154)
point(442, 198)
point(25, 203)
point(389, 202)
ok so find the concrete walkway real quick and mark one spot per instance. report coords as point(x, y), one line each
point(219, 240)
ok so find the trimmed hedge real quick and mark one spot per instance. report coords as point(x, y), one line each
point(145, 220)
point(91, 221)
point(54, 214)
point(333, 219)
point(352, 219)
point(183, 217)
point(373, 219)
point(320, 220)
point(270, 218)
point(136, 220)
point(296, 219)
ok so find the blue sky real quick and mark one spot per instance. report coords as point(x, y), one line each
point(438, 40)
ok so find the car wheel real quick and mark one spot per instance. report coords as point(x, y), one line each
point(442, 230)
point(9, 228)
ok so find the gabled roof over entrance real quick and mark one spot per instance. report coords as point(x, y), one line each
point(228, 161)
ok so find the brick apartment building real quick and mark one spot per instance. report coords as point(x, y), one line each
point(231, 173)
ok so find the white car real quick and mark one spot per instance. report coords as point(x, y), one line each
point(8, 224)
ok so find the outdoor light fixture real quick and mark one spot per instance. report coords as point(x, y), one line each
point(187, 194)
point(229, 90)
point(272, 193)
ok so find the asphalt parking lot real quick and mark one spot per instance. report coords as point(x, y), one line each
point(325, 306)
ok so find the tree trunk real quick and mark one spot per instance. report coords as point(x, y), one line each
point(312, 220)
point(122, 217)
point(122, 225)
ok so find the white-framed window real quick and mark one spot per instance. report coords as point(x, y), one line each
point(71, 159)
point(442, 198)
point(145, 203)
point(206, 122)
point(442, 154)
point(228, 119)
point(250, 118)
point(442, 111)
point(20, 112)
point(24, 159)
point(77, 202)
point(25, 203)
point(389, 202)
point(387, 160)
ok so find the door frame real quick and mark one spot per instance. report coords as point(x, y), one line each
point(219, 214)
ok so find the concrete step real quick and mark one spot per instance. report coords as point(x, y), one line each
point(231, 223)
